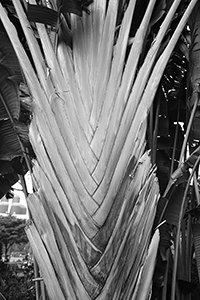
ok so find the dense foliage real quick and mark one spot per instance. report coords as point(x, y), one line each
point(12, 231)
point(15, 283)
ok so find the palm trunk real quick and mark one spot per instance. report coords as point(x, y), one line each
point(95, 189)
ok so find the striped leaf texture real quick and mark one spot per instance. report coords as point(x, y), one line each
point(95, 190)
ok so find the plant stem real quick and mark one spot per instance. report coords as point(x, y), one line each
point(188, 129)
point(173, 291)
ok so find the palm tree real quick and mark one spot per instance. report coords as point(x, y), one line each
point(97, 83)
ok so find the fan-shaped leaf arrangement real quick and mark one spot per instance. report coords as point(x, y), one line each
point(95, 189)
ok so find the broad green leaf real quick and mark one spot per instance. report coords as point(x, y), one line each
point(70, 6)
point(165, 239)
point(6, 182)
point(5, 167)
point(7, 54)
point(22, 132)
point(9, 98)
point(195, 134)
point(195, 212)
point(172, 211)
point(196, 235)
point(19, 165)
point(42, 14)
point(186, 287)
point(10, 146)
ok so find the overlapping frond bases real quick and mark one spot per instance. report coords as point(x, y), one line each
point(95, 189)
